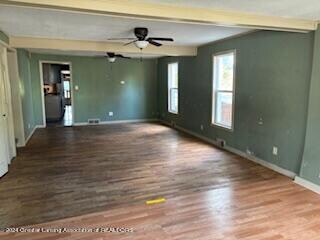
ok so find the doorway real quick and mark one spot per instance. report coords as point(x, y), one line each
point(57, 97)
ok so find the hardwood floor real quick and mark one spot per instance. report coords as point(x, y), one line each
point(103, 174)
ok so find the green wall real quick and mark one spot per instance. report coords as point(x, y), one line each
point(187, 97)
point(310, 168)
point(4, 37)
point(26, 91)
point(100, 90)
point(272, 83)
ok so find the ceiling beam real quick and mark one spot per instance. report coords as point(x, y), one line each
point(152, 11)
point(91, 46)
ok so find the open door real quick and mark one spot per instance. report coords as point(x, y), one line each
point(4, 147)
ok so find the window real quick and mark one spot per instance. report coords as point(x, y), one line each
point(223, 89)
point(66, 87)
point(173, 90)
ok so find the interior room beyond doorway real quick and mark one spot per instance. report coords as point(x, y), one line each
point(57, 96)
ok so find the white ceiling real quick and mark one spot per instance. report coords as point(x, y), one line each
point(44, 23)
point(302, 9)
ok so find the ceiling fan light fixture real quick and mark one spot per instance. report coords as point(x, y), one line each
point(111, 59)
point(141, 44)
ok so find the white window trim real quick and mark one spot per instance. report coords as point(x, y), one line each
point(169, 98)
point(213, 97)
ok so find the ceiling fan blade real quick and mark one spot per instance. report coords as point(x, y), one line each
point(154, 43)
point(161, 39)
point(121, 56)
point(130, 42)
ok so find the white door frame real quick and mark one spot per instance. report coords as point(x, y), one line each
point(7, 88)
point(4, 141)
point(44, 123)
point(15, 97)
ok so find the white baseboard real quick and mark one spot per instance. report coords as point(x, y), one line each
point(117, 122)
point(19, 145)
point(31, 134)
point(307, 184)
point(262, 162)
point(237, 152)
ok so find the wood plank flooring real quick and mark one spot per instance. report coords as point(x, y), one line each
point(103, 174)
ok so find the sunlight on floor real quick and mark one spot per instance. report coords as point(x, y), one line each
point(67, 120)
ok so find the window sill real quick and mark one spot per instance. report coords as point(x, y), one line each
point(221, 127)
point(175, 113)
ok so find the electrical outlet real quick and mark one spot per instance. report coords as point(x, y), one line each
point(29, 125)
point(110, 114)
point(221, 142)
point(275, 151)
point(201, 127)
point(249, 152)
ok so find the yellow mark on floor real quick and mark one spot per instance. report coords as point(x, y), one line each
point(155, 201)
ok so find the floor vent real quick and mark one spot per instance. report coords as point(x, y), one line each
point(94, 121)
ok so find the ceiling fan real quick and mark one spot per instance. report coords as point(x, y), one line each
point(112, 56)
point(142, 41)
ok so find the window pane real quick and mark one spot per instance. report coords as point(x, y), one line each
point(174, 100)
point(224, 72)
point(223, 89)
point(66, 85)
point(173, 91)
point(223, 114)
point(173, 75)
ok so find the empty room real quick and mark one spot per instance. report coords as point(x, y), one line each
point(158, 119)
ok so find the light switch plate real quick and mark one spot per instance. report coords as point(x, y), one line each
point(275, 150)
